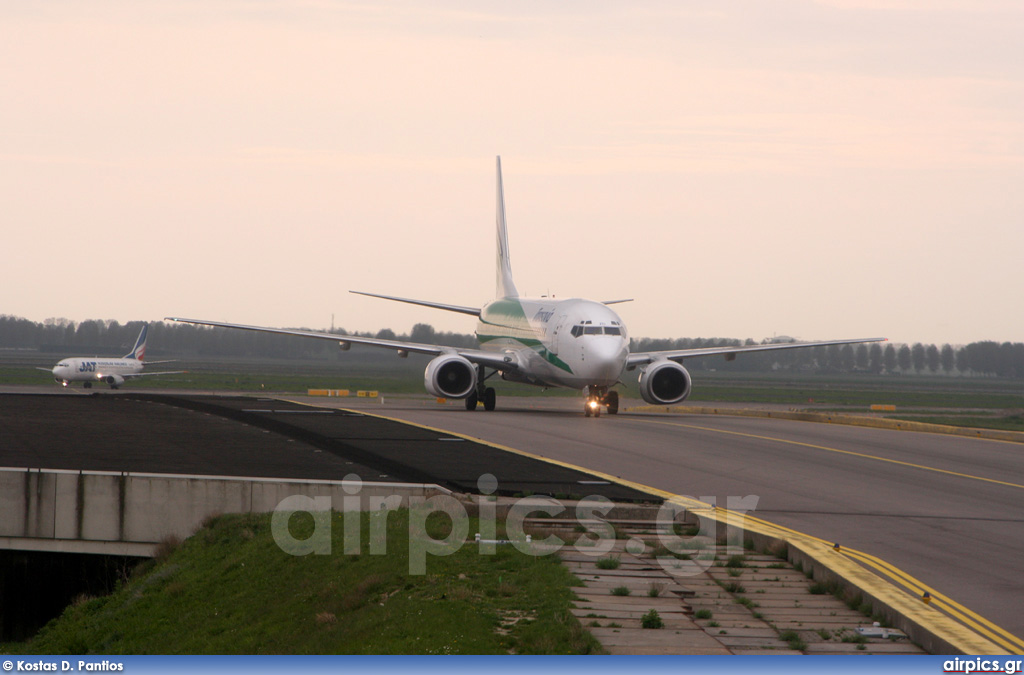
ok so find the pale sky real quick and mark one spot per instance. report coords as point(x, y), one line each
point(832, 169)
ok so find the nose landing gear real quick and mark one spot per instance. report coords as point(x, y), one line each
point(600, 396)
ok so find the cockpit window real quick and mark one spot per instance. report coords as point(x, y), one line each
point(590, 329)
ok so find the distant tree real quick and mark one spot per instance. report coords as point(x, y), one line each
point(875, 358)
point(385, 334)
point(1011, 359)
point(917, 356)
point(846, 358)
point(862, 357)
point(889, 358)
point(423, 332)
point(88, 333)
point(931, 354)
point(903, 358)
point(963, 363)
point(983, 357)
point(833, 358)
point(947, 358)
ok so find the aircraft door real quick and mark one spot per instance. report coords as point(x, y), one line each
point(560, 326)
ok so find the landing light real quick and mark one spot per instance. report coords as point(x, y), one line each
point(592, 404)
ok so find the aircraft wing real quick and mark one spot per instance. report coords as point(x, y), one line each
point(163, 372)
point(45, 370)
point(641, 358)
point(477, 356)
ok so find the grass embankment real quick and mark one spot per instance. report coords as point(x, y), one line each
point(229, 589)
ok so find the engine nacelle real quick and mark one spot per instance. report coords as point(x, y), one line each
point(664, 382)
point(113, 380)
point(450, 376)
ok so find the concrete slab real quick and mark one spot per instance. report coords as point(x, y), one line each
point(901, 647)
point(641, 641)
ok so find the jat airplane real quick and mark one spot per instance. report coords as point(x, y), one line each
point(573, 343)
point(99, 369)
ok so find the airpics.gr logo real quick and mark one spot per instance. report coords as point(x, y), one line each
point(697, 546)
point(979, 665)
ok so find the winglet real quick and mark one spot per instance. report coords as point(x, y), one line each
point(139, 350)
point(506, 288)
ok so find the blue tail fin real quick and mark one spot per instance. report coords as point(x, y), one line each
point(139, 350)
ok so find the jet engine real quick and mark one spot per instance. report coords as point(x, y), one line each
point(664, 382)
point(450, 376)
point(114, 381)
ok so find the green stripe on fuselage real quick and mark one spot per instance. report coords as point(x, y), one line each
point(506, 319)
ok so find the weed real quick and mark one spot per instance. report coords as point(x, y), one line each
point(651, 620)
point(655, 589)
point(713, 624)
point(793, 639)
point(165, 548)
point(735, 587)
point(736, 561)
point(733, 572)
point(703, 614)
point(620, 590)
point(610, 563)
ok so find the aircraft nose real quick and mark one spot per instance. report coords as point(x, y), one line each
point(605, 358)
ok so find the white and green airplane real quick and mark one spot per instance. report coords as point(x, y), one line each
point(574, 343)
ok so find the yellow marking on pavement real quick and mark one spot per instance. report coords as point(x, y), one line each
point(851, 562)
point(851, 453)
point(994, 632)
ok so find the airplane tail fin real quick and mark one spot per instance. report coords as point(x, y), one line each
point(506, 288)
point(139, 350)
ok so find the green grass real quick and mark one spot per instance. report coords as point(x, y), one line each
point(230, 589)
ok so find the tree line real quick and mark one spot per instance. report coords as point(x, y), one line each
point(63, 337)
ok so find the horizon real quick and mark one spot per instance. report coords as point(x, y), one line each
point(470, 333)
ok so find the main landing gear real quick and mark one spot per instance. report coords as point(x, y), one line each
point(482, 394)
point(600, 396)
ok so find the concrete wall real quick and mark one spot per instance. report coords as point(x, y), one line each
point(129, 513)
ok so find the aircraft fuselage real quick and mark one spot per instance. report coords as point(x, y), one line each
point(561, 343)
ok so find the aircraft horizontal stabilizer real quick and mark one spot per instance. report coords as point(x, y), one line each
point(472, 311)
